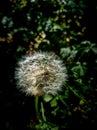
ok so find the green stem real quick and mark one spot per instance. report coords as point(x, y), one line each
point(42, 109)
point(36, 107)
point(63, 101)
point(80, 96)
point(36, 104)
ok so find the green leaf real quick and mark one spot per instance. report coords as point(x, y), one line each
point(47, 98)
point(65, 52)
point(94, 49)
point(55, 128)
point(66, 94)
point(53, 103)
point(81, 71)
point(81, 103)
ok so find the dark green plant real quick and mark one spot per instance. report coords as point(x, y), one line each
point(66, 28)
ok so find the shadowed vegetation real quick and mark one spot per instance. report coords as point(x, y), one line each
point(66, 28)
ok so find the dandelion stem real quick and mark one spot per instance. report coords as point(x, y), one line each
point(36, 104)
point(42, 109)
point(36, 107)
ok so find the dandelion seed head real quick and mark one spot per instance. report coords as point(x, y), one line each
point(40, 74)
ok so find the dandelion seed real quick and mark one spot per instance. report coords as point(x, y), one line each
point(40, 74)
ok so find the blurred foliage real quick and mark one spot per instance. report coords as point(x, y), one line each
point(66, 28)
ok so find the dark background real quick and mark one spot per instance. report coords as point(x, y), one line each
point(29, 26)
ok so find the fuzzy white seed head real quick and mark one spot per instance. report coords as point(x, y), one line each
point(40, 74)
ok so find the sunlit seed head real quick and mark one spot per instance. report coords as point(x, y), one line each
point(40, 74)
